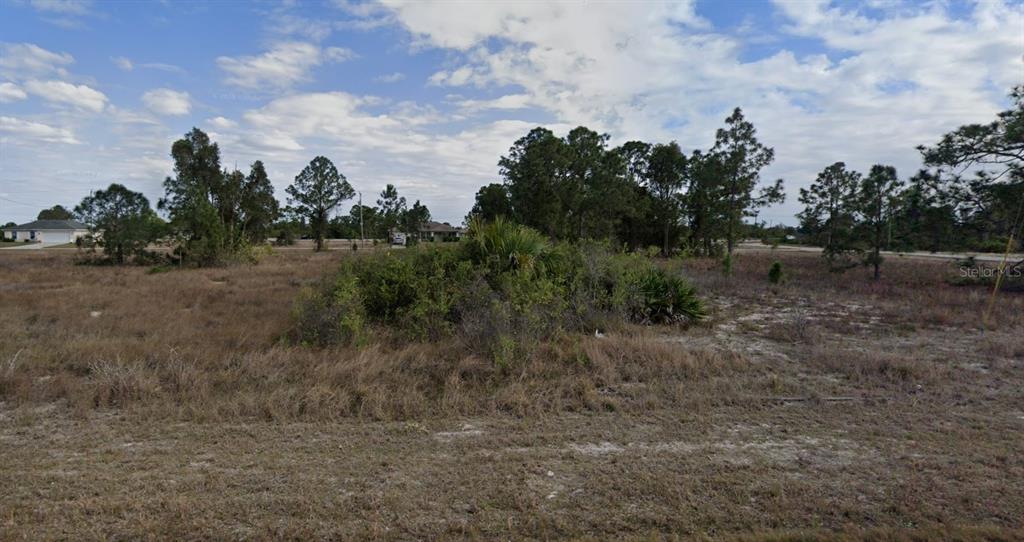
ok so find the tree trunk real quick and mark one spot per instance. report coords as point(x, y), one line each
point(319, 223)
point(831, 228)
point(730, 230)
point(664, 245)
point(878, 240)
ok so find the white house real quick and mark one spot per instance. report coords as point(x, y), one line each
point(47, 231)
point(441, 231)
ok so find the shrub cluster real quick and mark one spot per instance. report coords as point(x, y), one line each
point(500, 292)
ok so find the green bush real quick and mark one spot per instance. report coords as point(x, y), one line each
point(502, 245)
point(992, 246)
point(499, 292)
point(727, 265)
point(775, 273)
point(333, 315)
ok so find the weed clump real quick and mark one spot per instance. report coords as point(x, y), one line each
point(499, 292)
point(775, 273)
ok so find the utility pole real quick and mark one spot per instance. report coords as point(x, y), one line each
point(362, 236)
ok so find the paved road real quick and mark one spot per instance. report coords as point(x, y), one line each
point(29, 246)
point(978, 256)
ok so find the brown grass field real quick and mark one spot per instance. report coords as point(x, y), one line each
point(170, 406)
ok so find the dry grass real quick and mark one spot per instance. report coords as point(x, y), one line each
point(208, 345)
point(831, 407)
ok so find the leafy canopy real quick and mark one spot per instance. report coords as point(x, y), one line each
point(120, 221)
point(317, 190)
point(57, 212)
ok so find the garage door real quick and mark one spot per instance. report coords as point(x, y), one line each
point(49, 237)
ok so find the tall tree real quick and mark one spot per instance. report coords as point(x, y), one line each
point(57, 212)
point(414, 218)
point(998, 144)
point(491, 202)
point(830, 209)
point(703, 197)
point(227, 198)
point(637, 223)
point(742, 158)
point(666, 176)
point(120, 221)
point(587, 188)
point(992, 201)
point(367, 219)
point(259, 209)
point(317, 190)
point(926, 218)
point(193, 198)
point(531, 171)
point(877, 202)
point(391, 207)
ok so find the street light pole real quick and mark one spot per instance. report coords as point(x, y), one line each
point(362, 236)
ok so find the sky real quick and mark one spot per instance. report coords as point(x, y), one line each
point(429, 96)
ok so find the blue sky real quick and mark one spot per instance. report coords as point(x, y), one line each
point(428, 96)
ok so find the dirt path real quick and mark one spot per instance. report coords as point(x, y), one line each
point(978, 256)
point(803, 466)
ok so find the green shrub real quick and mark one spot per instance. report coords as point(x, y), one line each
point(332, 315)
point(993, 246)
point(499, 292)
point(502, 245)
point(775, 273)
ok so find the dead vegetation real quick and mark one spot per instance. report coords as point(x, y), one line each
point(826, 407)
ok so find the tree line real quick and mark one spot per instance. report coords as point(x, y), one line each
point(970, 197)
point(575, 187)
point(216, 215)
point(643, 194)
point(638, 194)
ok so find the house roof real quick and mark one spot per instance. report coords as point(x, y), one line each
point(51, 225)
point(439, 227)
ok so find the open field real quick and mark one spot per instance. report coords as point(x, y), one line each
point(988, 257)
point(169, 404)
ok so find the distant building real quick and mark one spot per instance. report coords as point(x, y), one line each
point(47, 231)
point(429, 232)
point(440, 231)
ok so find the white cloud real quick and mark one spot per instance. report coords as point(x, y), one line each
point(285, 24)
point(23, 60)
point(507, 102)
point(129, 117)
point(285, 65)
point(126, 64)
point(657, 71)
point(23, 130)
point(221, 123)
point(164, 101)
point(123, 63)
point(63, 7)
point(162, 67)
point(9, 92)
point(390, 78)
point(873, 88)
point(337, 54)
point(61, 92)
point(399, 145)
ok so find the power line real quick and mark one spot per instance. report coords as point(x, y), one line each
point(16, 201)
